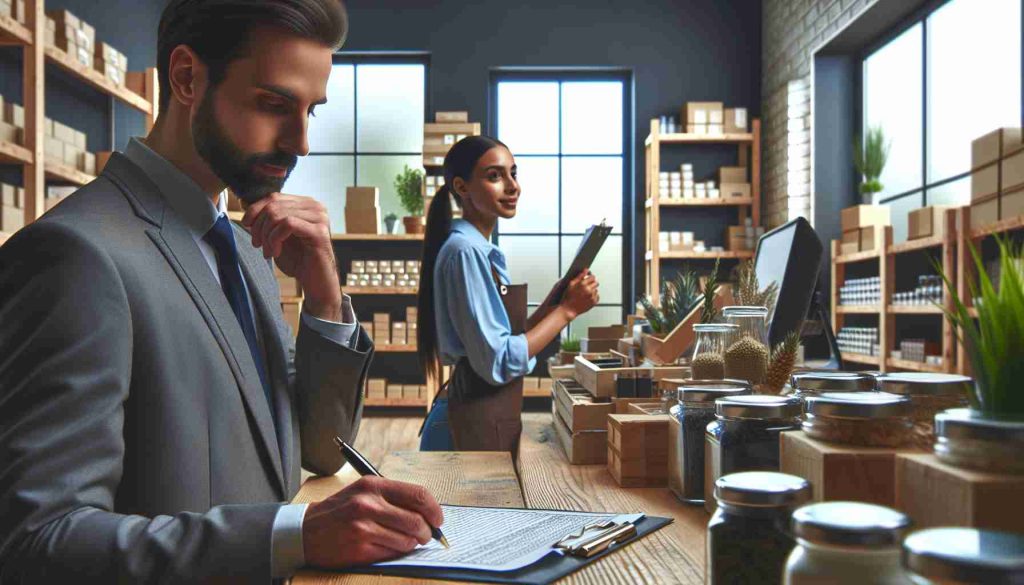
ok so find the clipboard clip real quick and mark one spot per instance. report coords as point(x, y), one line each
point(596, 537)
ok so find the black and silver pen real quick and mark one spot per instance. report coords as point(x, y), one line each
point(364, 467)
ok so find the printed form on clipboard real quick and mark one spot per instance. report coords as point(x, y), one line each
point(593, 240)
point(507, 539)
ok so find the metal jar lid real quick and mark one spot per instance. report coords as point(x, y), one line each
point(964, 424)
point(850, 524)
point(859, 405)
point(833, 381)
point(965, 555)
point(916, 383)
point(759, 407)
point(709, 390)
point(762, 489)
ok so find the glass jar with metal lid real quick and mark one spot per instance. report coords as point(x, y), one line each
point(867, 419)
point(696, 409)
point(815, 383)
point(929, 395)
point(964, 438)
point(844, 543)
point(964, 555)
point(747, 356)
point(708, 362)
point(748, 537)
point(747, 431)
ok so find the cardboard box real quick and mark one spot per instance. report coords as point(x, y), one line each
point(393, 391)
point(362, 221)
point(736, 121)
point(852, 237)
point(14, 114)
point(451, 117)
point(54, 148)
point(47, 126)
point(841, 472)
point(71, 155)
point(9, 133)
point(935, 494)
point(736, 244)
point(638, 449)
point(734, 190)
point(732, 175)
point(984, 182)
point(64, 18)
point(868, 238)
point(989, 148)
point(376, 388)
point(984, 211)
point(398, 334)
point(9, 195)
point(1011, 172)
point(703, 112)
point(860, 216)
point(1011, 204)
point(362, 198)
point(87, 163)
point(12, 218)
point(582, 448)
point(63, 133)
point(850, 248)
point(927, 222)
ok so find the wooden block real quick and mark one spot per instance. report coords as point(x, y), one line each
point(622, 405)
point(935, 494)
point(648, 408)
point(639, 436)
point(577, 407)
point(609, 332)
point(583, 448)
point(631, 474)
point(668, 349)
point(859, 216)
point(841, 472)
point(984, 182)
point(731, 190)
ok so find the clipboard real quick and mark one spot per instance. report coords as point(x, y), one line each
point(590, 545)
point(593, 240)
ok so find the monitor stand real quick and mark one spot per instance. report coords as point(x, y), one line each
point(820, 324)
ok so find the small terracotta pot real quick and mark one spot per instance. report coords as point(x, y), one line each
point(414, 224)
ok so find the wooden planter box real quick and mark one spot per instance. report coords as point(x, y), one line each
point(671, 347)
point(601, 382)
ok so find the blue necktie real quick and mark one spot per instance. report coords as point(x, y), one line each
point(222, 239)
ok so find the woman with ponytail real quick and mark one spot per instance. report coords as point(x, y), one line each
point(471, 316)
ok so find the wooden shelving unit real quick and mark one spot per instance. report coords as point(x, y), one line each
point(396, 402)
point(884, 254)
point(748, 146)
point(433, 154)
point(31, 156)
point(380, 290)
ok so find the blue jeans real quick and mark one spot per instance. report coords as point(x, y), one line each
point(437, 435)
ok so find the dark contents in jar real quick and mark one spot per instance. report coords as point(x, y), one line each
point(744, 549)
point(694, 421)
point(751, 445)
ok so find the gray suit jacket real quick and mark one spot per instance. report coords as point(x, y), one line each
point(136, 443)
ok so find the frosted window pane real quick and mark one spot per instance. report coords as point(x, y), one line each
point(528, 116)
point(899, 210)
point(892, 100)
point(607, 266)
point(592, 118)
point(974, 83)
point(596, 317)
point(591, 191)
point(324, 178)
point(538, 204)
point(390, 108)
point(532, 260)
point(380, 172)
point(332, 129)
point(957, 193)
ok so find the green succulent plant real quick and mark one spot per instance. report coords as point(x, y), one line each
point(570, 344)
point(870, 157)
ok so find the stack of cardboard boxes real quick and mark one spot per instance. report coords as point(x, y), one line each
point(14, 9)
point(997, 177)
point(12, 208)
point(72, 35)
point(638, 449)
point(112, 63)
point(12, 128)
point(362, 210)
point(927, 222)
point(384, 331)
point(438, 138)
point(66, 145)
point(380, 388)
point(862, 227)
point(743, 237)
point(389, 273)
point(704, 118)
point(733, 182)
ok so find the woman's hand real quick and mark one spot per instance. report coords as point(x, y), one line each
point(581, 295)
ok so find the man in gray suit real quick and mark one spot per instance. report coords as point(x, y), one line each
point(154, 409)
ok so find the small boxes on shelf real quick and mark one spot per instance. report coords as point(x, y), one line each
point(704, 114)
point(12, 212)
point(927, 222)
point(997, 177)
point(12, 127)
point(14, 9)
point(362, 210)
point(74, 36)
point(862, 227)
point(736, 121)
point(451, 117)
point(112, 63)
point(67, 146)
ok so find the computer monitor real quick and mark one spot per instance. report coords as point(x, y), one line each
point(789, 255)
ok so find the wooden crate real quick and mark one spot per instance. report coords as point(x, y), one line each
point(577, 407)
point(648, 408)
point(580, 448)
point(841, 472)
point(668, 349)
point(601, 382)
point(935, 494)
point(638, 449)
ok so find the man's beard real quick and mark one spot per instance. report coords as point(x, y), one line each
point(230, 163)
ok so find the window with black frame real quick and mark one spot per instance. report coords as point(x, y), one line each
point(369, 129)
point(569, 134)
point(940, 81)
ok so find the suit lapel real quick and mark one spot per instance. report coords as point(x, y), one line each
point(175, 241)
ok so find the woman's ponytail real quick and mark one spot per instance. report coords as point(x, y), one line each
point(439, 223)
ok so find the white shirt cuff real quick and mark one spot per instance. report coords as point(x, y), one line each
point(343, 333)
point(286, 552)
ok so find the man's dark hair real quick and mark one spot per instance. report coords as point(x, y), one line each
point(218, 30)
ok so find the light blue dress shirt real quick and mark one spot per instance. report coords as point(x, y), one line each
point(471, 320)
point(286, 547)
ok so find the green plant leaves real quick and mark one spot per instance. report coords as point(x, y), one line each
point(409, 184)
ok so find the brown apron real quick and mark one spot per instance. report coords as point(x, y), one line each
point(484, 417)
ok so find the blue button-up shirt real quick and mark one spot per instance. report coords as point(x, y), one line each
point(471, 320)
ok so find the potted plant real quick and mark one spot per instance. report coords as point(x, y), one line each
point(990, 435)
point(569, 348)
point(869, 158)
point(408, 184)
point(389, 223)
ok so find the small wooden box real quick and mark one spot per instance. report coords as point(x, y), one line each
point(634, 473)
point(648, 408)
point(984, 212)
point(841, 472)
point(638, 449)
point(860, 216)
point(582, 448)
point(578, 409)
point(935, 494)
